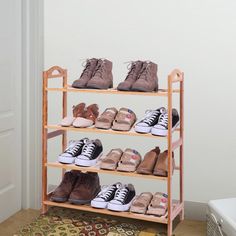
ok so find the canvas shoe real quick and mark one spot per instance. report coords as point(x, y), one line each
point(90, 154)
point(150, 119)
point(105, 195)
point(161, 128)
point(62, 192)
point(123, 198)
point(72, 151)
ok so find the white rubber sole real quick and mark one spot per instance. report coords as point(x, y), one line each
point(97, 204)
point(162, 132)
point(116, 207)
point(84, 162)
point(66, 160)
point(142, 129)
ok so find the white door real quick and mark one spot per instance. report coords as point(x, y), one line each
point(10, 107)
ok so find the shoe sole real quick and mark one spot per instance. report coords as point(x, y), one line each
point(162, 132)
point(116, 207)
point(142, 129)
point(97, 204)
point(58, 199)
point(82, 162)
point(96, 86)
point(66, 160)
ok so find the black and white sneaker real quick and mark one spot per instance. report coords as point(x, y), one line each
point(151, 118)
point(105, 195)
point(123, 198)
point(161, 128)
point(72, 151)
point(90, 154)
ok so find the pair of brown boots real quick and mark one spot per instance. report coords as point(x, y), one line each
point(156, 163)
point(97, 74)
point(142, 76)
point(82, 116)
point(77, 188)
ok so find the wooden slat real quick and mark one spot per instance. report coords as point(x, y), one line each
point(177, 210)
point(161, 92)
point(107, 212)
point(177, 144)
point(103, 131)
point(97, 170)
point(176, 76)
point(55, 133)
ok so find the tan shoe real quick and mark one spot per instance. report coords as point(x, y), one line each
point(124, 120)
point(161, 167)
point(88, 118)
point(110, 161)
point(149, 161)
point(158, 205)
point(104, 121)
point(129, 160)
point(141, 202)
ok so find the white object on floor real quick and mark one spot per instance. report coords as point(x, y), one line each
point(221, 217)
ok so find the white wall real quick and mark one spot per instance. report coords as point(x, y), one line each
point(196, 36)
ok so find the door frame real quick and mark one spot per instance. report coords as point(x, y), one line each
point(32, 67)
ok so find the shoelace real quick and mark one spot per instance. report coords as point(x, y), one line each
point(106, 193)
point(121, 194)
point(88, 149)
point(86, 67)
point(150, 116)
point(74, 149)
point(144, 71)
point(163, 119)
point(131, 67)
point(99, 68)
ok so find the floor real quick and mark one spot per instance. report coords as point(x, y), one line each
point(11, 225)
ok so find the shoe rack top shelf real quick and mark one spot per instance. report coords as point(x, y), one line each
point(68, 88)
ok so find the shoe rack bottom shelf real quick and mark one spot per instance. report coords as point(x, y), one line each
point(177, 207)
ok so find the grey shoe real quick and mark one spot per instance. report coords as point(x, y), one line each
point(132, 76)
point(102, 77)
point(86, 74)
point(147, 80)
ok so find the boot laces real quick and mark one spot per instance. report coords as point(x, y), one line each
point(99, 68)
point(106, 193)
point(86, 64)
point(163, 120)
point(131, 67)
point(150, 116)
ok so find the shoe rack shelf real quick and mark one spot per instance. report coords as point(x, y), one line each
point(175, 207)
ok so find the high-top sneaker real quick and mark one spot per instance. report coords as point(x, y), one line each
point(123, 198)
point(86, 74)
point(85, 189)
point(147, 80)
point(132, 76)
point(90, 154)
point(102, 77)
point(62, 192)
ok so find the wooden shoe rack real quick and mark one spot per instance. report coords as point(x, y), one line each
point(49, 131)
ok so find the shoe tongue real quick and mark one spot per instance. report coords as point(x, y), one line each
point(118, 185)
point(161, 109)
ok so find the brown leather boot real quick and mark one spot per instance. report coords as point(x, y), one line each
point(62, 192)
point(86, 74)
point(102, 77)
point(79, 110)
point(147, 80)
point(161, 167)
point(132, 76)
point(149, 161)
point(85, 189)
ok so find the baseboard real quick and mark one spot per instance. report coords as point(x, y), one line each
point(193, 210)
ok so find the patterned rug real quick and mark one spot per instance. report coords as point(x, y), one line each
point(68, 222)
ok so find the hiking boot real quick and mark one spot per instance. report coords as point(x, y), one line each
point(149, 161)
point(102, 77)
point(86, 74)
point(88, 118)
point(161, 166)
point(85, 189)
point(132, 76)
point(62, 192)
point(147, 80)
